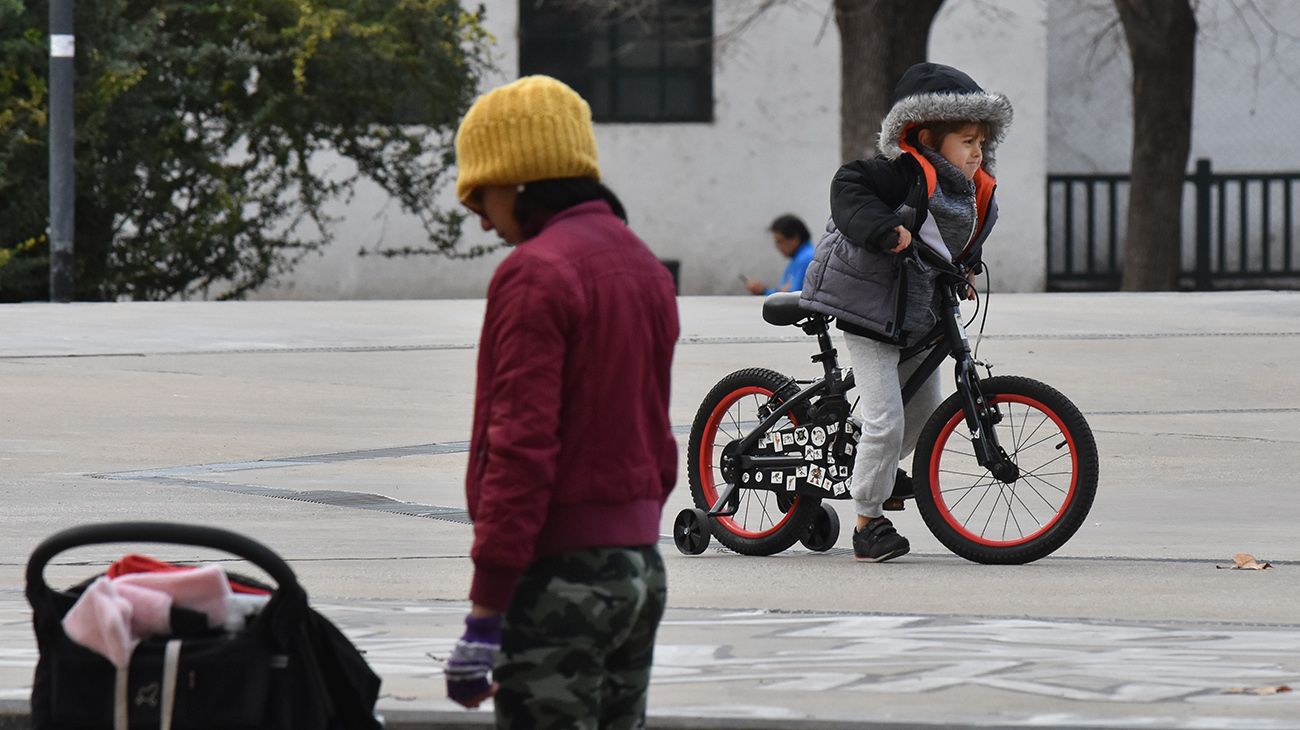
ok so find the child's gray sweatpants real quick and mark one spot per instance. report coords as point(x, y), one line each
point(889, 431)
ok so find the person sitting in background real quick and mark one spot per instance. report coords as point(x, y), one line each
point(793, 240)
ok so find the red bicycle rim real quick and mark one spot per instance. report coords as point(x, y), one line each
point(707, 442)
point(937, 487)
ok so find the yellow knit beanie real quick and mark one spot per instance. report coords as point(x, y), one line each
point(536, 128)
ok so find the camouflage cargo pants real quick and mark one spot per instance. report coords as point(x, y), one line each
point(578, 640)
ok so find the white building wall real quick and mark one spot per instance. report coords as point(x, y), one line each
point(704, 193)
point(1003, 46)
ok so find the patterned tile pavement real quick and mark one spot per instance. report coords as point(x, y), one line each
point(831, 666)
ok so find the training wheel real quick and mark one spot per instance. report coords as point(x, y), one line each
point(691, 531)
point(823, 530)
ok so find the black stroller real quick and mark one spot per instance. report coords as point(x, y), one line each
point(287, 668)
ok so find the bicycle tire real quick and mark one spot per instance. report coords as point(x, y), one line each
point(737, 532)
point(1038, 424)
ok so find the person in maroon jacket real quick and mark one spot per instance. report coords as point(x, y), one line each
point(571, 455)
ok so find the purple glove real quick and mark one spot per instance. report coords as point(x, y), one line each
point(471, 661)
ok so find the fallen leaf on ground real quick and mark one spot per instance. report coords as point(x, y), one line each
point(1257, 690)
point(1245, 561)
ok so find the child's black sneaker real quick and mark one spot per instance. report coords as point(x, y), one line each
point(879, 541)
point(903, 490)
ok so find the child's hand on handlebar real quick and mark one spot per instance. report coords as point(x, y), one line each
point(904, 240)
point(970, 281)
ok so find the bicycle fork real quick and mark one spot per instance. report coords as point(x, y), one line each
point(981, 415)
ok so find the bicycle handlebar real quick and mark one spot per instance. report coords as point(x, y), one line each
point(924, 258)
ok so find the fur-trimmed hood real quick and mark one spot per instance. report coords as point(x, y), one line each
point(931, 92)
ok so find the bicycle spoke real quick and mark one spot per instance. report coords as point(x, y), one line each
point(977, 505)
point(763, 503)
point(1002, 494)
point(734, 422)
point(1019, 529)
point(1011, 422)
point(1039, 494)
point(1049, 437)
point(1046, 418)
point(1048, 484)
point(1054, 459)
point(992, 509)
point(977, 485)
point(1031, 475)
point(1027, 510)
point(963, 473)
point(948, 448)
point(1004, 525)
point(1011, 514)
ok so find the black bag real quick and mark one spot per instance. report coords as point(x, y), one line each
point(288, 669)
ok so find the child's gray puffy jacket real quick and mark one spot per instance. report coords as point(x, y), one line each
point(853, 277)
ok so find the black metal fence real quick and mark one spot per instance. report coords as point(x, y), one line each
point(1238, 230)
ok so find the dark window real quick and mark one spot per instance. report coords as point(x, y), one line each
point(642, 61)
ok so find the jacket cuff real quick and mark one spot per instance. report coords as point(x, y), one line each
point(885, 242)
point(493, 586)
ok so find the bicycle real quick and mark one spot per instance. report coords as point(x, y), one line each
point(766, 449)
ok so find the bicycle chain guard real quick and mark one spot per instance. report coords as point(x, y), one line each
point(828, 453)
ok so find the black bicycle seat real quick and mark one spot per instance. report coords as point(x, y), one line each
point(783, 309)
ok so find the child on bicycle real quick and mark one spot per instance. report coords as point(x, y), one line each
point(931, 185)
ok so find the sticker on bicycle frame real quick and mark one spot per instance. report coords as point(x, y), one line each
point(776, 443)
point(778, 477)
point(815, 475)
point(833, 429)
point(809, 453)
point(801, 472)
point(787, 438)
point(745, 478)
point(840, 487)
point(818, 436)
point(801, 436)
point(758, 476)
point(849, 449)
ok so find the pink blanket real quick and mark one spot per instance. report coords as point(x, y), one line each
point(115, 614)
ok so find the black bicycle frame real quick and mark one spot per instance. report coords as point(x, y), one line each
point(947, 339)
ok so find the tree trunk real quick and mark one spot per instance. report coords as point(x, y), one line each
point(1161, 37)
point(879, 40)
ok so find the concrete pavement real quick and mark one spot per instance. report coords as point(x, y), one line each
point(334, 432)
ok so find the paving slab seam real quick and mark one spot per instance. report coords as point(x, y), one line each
point(16, 715)
point(171, 476)
point(342, 349)
point(1088, 620)
point(685, 340)
point(379, 503)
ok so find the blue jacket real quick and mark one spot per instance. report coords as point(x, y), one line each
point(792, 279)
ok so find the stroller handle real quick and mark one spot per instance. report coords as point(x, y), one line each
point(160, 532)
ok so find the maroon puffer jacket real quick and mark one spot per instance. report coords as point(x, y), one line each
point(571, 445)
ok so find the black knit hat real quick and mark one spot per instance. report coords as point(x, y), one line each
point(933, 92)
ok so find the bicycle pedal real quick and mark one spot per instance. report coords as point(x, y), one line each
point(893, 504)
